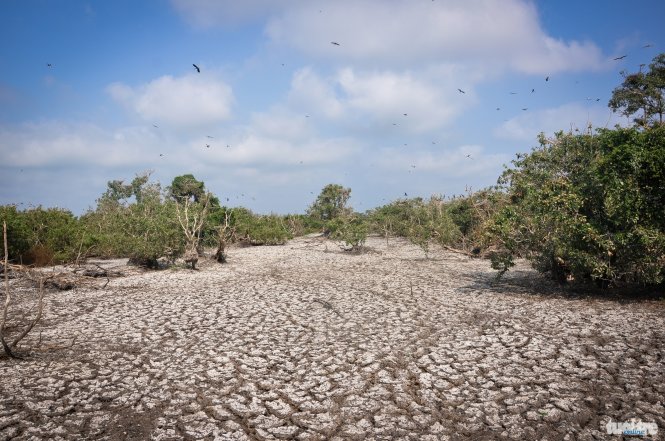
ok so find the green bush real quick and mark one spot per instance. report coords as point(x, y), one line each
point(351, 230)
point(41, 236)
point(471, 214)
point(19, 236)
point(589, 207)
point(330, 203)
point(144, 228)
point(422, 222)
point(258, 230)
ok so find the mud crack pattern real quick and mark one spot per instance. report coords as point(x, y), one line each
point(306, 342)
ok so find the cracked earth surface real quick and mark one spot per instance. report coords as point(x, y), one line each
point(306, 342)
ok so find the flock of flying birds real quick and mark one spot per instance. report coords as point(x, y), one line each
point(461, 91)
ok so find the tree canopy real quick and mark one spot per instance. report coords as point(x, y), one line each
point(331, 203)
point(642, 93)
point(187, 187)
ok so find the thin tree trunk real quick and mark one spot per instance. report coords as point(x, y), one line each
point(5, 346)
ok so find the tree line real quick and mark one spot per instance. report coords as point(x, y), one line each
point(581, 207)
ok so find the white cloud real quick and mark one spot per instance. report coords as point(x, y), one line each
point(314, 94)
point(462, 161)
point(568, 117)
point(501, 33)
point(64, 144)
point(190, 101)
point(430, 99)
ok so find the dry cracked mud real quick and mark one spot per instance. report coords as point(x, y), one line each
point(306, 342)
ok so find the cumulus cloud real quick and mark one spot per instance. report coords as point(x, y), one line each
point(429, 99)
point(56, 143)
point(568, 117)
point(461, 161)
point(315, 94)
point(505, 33)
point(189, 101)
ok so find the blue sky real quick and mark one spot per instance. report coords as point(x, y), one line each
point(278, 111)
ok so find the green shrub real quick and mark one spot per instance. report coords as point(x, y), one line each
point(420, 222)
point(41, 236)
point(258, 230)
point(589, 207)
point(144, 228)
point(471, 214)
point(330, 203)
point(351, 230)
point(19, 236)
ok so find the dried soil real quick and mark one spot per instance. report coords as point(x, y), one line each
point(306, 342)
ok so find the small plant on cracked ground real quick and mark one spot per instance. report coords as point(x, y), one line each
point(350, 230)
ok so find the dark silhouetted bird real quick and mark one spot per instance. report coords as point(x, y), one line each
point(211, 137)
point(49, 65)
point(469, 156)
point(525, 108)
point(335, 43)
point(461, 91)
point(621, 57)
point(207, 146)
point(533, 90)
point(547, 78)
point(406, 194)
point(196, 67)
point(513, 93)
point(646, 46)
point(155, 126)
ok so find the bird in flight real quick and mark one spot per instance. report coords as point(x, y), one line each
point(525, 108)
point(461, 91)
point(155, 126)
point(196, 67)
point(621, 57)
point(335, 43)
point(406, 194)
point(647, 45)
point(547, 78)
point(49, 65)
point(211, 137)
point(513, 93)
point(208, 146)
point(469, 156)
point(533, 90)
point(498, 108)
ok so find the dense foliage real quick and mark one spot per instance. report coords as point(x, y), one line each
point(331, 203)
point(135, 221)
point(588, 207)
point(42, 236)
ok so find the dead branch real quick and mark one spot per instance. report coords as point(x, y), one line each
point(40, 310)
point(5, 346)
point(455, 250)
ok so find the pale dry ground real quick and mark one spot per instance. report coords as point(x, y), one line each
point(300, 342)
